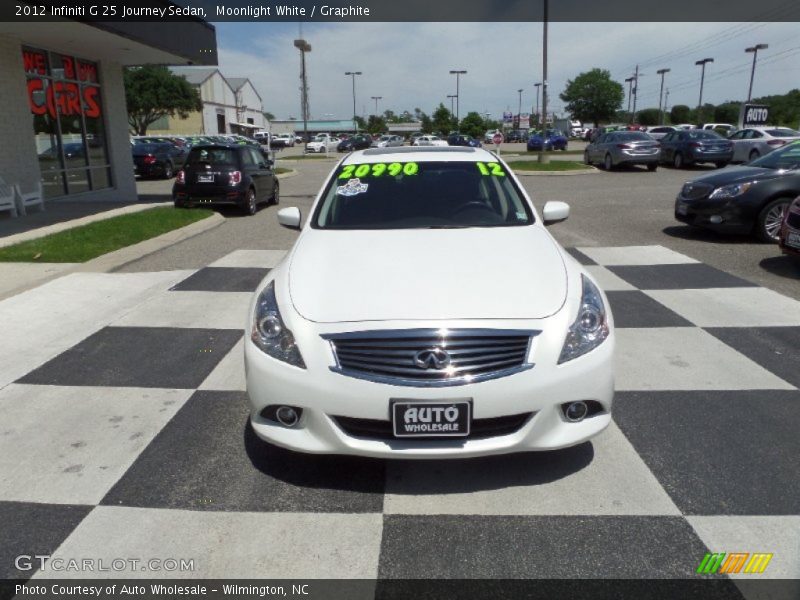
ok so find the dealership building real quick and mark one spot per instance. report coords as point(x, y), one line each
point(65, 121)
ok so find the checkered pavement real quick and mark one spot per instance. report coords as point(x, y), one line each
point(124, 433)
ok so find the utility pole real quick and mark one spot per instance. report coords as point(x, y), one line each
point(304, 47)
point(452, 97)
point(754, 50)
point(537, 86)
point(543, 158)
point(519, 109)
point(702, 64)
point(661, 72)
point(629, 81)
point(458, 97)
point(376, 98)
point(635, 93)
point(353, 75)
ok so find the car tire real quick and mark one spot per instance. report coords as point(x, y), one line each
point(276, 194)
point(721, 165)
point(586, 160)
point(168, 171)
point(677, 160)
point(652, 167)
point(608, 162)
point(768, 223)
point(250, 203)
point(754, 154)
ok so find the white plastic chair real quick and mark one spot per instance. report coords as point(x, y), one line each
point(8, 200)
point(36, 197)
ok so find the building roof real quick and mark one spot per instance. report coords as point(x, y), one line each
point(237, 82)
point(317, 125)
point(195, 75)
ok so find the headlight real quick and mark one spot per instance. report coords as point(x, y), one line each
point(731, 191)
point(590, 327)
point(269, 331)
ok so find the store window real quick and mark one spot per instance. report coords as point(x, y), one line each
point(67, 110)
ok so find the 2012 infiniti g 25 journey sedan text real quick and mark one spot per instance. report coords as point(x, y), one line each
point(425, 311)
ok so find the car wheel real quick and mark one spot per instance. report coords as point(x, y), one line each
point(276, 194)
point(677, 160)
point(768, 224)
point(754, 154)
point(168, 171)
point(652, 166)
point(720, 165)
point(608, 163)
point(250, 204)
point(586, 160)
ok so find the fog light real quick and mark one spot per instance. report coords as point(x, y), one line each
point(576, 411)
point(716, 219)
point(287, 416)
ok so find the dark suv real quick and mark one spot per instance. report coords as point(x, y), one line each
point(226, 174)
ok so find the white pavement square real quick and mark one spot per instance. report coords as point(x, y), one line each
point(237, 545)
point(635, 256)
point(685, 358)
point(251, 258)
point(608, 280)
point(69, 445)
point(201, 310)
point(615, 482)
point(228, 375)
point(731, 307)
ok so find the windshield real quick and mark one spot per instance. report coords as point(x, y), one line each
point(409, 195)
point(782, 132)
point(785, 158)
point(212, 155)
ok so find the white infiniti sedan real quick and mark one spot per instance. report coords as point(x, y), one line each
point(426, 312)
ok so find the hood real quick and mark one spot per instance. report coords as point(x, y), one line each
point(739, 175)
point(473, 273)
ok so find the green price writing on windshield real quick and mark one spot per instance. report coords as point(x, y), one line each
point(378, 169)
point(491, 168)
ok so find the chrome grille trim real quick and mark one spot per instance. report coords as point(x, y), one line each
point(387, 356)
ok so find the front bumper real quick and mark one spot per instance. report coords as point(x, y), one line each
point(726, 215)
point(790, 240)
point(183, 198)
point(324, 395)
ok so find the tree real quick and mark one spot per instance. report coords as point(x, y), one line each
point(153, 92)
point(648, 116)
point(473, 124)
point(269, 116)
point(376, 124)
point(680, 113)
point(443, 120)
point(593, 96)
point(360, 122)
point(727, 112)
point(426, 123)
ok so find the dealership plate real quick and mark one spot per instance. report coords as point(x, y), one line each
point(431, 419)
point(793, 239)
point(682, 209)
point(205, 179)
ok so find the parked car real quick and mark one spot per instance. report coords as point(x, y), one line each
point(379, 356)
point(752, 142)
point(322, 143)
point(515, 136)
point(660, 131)
point(231, 174)
point(160, 159)
point(429, 140)
point(687, 147)
point(724, 129)
point(790, 231)
point(356, 142)
point(282, 140)
point(487, 137)
point(623, 148)
point(459, 139)
point(750, 199)
point(388, 141)
point(554, 139)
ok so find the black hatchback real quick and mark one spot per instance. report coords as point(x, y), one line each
point(217, 174)
point(156, 159)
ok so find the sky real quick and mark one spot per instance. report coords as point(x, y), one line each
point(408, 64)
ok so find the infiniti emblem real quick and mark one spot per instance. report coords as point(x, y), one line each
point(432, 358)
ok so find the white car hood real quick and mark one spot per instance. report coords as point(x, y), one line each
point(421, 274)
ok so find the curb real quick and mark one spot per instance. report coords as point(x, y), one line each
point(590, 171)
point(291, 173)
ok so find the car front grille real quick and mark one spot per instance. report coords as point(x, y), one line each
point(695, 191)
point(431, 357)
point(480, 429)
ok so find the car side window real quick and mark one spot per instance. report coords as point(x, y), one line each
point(738, 135)
point(248, 158)
point(757, 134)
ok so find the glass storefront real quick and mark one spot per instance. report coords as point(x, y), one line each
point(67, 111)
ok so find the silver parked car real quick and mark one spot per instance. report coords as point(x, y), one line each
point(750, 143)
point(660, 131)
point(623, 148)
point(388, 141)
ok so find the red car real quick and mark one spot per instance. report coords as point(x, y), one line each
point(790, 230)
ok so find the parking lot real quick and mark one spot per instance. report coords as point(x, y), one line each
point(155, 457)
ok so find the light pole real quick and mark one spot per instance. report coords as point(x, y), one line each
point(451, 96)
point(304, 47)
point(629, 81)
point(754, 50)
point(519, 109)
point(661, 72)
point(543, 158)
point(458, 74)
point(376, 98)
point(537, 86)
point(702, 64)
point(636, 76)
point(353, 75)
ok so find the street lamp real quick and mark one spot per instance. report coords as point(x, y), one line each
point(537, 86)
point(451, 96)
point(376, 98)
point(304, 47)
point(543, 158)
point(754, 50)
point(702, 64)
point(458, 74)
point(630, 81)
point(519, 109)
point(661, 72)
point(353, 75)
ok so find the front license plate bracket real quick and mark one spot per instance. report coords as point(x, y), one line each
point(431, 419)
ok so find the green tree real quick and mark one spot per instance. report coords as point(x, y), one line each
point(473, 124)
point(648, 116)
point(426, 123)
point(443, 120)
point(153, 92)
point(361, 123)
point(269, 116)
point(593, 96)
point(727, 112)
point(680, 113)
point(376, 124)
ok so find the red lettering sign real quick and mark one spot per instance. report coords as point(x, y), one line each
point(64, 98)
point(87, 71)
point(69, 67)
point(34, 62)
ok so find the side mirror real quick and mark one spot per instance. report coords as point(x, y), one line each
point(290, 217)
point(554, 212)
